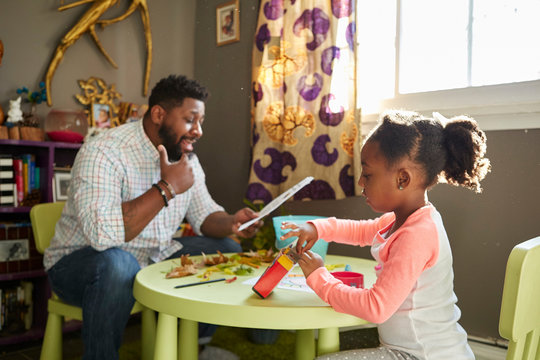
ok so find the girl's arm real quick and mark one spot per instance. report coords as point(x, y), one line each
point(409, 255)
point(352, 232)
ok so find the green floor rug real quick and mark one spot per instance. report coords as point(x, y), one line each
point(237, 341)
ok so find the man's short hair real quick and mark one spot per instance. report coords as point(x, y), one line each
point(171, 91)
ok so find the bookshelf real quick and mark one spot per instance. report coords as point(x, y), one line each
point(15, 224)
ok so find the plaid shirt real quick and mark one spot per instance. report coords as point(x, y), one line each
point(119, 165)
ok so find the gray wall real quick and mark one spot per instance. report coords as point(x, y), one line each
point(226, 71)
point(31, 30)
point(482, 228)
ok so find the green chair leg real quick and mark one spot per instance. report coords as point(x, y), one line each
point(305, 345)
point(148, 333)
point(189, 348)
point(166, 337)
point(52, 339)
point(328, 341)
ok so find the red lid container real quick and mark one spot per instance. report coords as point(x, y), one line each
point(350, 278)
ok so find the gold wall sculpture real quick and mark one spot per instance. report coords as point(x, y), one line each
point(87, 23)
point(96, 92)
point(1, 51)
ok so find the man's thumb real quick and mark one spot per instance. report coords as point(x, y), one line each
point(163, 157)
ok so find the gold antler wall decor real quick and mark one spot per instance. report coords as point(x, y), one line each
point(87, 24)
point(1, 51)
point(95, 91)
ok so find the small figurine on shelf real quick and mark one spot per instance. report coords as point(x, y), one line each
point(14, 117)
point(15, 113)
point(26, 125)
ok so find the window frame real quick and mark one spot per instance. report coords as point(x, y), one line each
point(508, 106)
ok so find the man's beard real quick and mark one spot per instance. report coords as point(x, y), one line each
point(174, 150)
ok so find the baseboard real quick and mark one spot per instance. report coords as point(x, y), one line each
point(487, 352)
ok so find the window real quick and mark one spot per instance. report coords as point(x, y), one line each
point(479, 57)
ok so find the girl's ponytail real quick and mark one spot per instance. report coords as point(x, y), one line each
point(465, 145)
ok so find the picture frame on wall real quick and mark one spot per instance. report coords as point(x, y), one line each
point(61, 181)
point(228, 23)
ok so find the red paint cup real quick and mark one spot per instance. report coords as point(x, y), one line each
point(350, 278)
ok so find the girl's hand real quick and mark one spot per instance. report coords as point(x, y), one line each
point(309, 262)
point(179, 174)
point(307, 233)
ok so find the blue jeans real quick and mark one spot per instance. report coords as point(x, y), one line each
point(101, 283)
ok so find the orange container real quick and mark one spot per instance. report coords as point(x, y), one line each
point(271, 277)
point(350, 278)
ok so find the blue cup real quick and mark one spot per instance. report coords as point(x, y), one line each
point(320, 247)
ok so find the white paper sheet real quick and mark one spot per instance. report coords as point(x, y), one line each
point(274, 204)
point(290, 282)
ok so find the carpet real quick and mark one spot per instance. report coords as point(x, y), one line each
point(236, 340)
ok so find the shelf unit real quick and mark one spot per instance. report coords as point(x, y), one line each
point(48, 155)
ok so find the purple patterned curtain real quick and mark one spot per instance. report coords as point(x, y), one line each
point(304, 116)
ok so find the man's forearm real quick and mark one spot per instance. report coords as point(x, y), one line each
point(140, 211)
point(218, 225)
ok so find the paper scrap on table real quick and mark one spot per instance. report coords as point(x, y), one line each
point(297, 283)
point(274, 204)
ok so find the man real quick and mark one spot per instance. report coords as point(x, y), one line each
point(130, 189)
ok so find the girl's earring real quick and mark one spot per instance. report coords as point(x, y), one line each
point(400, 187)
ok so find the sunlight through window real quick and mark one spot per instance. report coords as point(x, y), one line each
point(419, 46)
point(505, 41)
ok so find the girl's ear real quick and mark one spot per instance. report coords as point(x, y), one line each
point(403, 178)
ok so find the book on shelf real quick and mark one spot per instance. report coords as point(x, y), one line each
point(30, 160)
point(37, 174)
point(19, 181)
point(26, 176)
point(6, 187)
point(7, 181)
point(6, 160)
point(26, 179)
point(6, 167)
point(16, 307)
point(8, 198)
point(6, 174)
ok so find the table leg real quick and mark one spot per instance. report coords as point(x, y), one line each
point(305, 345)
point(148, 333)
point(328, 341)
point(188, 344)
point(166, 338)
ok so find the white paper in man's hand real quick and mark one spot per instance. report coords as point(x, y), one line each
point(274, 204)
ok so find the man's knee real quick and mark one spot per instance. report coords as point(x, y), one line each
point(119, 264)
point(229, 245)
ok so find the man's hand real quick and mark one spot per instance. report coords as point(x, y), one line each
point(178, 174)
point(309, 262)
point(243, 216)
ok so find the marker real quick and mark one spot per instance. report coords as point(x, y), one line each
point(199, 283)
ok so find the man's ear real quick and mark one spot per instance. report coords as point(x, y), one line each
point(403, 178)
point(157, 113)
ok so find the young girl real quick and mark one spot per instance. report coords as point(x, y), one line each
point(412, 301)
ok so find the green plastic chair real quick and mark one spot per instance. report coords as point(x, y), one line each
point(520, 309)
point(44, 218)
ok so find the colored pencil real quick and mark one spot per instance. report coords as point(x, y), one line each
point(199, 283)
